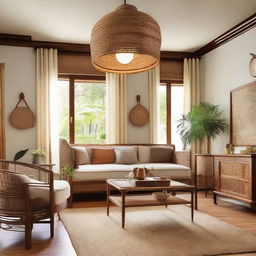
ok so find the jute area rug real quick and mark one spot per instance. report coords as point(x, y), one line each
point(153, 231)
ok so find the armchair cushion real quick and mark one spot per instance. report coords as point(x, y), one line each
point(39, 195)
point(61, 191)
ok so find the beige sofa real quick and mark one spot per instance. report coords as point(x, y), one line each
point(92, 177)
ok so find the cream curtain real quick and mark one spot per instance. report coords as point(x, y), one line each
point(47, 100)
point(116, 108)
point(154, 106)
point(192, 94)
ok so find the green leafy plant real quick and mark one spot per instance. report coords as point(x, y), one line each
point(38, 152)
point(204, 121)
point(20, 154)
point(67, 170)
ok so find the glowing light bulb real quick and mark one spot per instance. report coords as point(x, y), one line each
point(124, 58)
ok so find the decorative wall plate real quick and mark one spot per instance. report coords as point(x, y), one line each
point(139, 115)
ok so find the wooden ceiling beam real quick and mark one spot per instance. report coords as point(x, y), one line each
point(232, 33)
point(26, 41)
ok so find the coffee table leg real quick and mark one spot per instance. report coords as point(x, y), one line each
point(123, 209)
point(108, 194)
point(192, 206)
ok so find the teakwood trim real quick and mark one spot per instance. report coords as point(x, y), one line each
point(26, 41)
point(237, 30)
point(229, 35)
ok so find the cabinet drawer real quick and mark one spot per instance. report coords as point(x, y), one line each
point(233, 176)
point(235, 187)
point(240, 171)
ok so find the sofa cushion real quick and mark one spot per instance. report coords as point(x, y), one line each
point(161, 155)
point(126, 155)
point(144, 154)
point(118, 171)
point(81, 155)
point(103, 156)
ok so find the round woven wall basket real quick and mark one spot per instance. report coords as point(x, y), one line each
point(22, 118)
point(139, 115)
point(126, 30)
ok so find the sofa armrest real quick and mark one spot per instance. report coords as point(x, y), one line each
point(182, 158)
point(66, 154)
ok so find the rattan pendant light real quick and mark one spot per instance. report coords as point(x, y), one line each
point(125, 41)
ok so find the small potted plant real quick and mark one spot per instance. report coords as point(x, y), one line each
point(67, 171)
point(37, 156)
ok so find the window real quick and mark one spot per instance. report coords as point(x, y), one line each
point(82, 110)
point(171, 109)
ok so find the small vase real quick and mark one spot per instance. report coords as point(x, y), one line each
point(36, 160)
point(141, 174)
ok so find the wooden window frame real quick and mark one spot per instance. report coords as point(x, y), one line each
point(169, 84)
point(72, 79)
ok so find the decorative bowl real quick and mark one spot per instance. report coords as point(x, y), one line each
point(160, 196)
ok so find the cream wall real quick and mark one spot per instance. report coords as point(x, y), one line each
point(223, 69)
point(137, 84)
point(19, 77)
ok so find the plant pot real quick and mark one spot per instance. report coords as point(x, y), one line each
point(36, 160)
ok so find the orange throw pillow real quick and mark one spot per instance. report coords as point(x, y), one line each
point(103, 156)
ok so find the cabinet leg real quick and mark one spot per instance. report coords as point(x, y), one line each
point(123, 209)
point(214, 198)
point(192, 206)
point(108, 194)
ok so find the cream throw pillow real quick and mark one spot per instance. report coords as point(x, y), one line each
point(144, 154)
point(81, 155)
point(126, 155)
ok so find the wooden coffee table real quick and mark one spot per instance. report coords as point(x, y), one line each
point(138, 200)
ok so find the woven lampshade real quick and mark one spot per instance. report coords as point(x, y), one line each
point(126, 30)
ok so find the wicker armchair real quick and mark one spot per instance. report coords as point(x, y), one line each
point(26, 199)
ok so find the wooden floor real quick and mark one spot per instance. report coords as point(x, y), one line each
point(12, 243)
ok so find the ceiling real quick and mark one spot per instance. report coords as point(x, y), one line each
point(186, 25)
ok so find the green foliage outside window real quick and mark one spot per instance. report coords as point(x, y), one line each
point(90, 112)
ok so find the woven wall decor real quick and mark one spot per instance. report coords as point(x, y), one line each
point(22, 117)
point(126, 30)
point(252, 65)
point(139, 115)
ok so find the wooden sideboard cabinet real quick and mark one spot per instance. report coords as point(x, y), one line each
point(235, 178)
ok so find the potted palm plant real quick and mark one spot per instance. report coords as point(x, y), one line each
point(204, 122)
